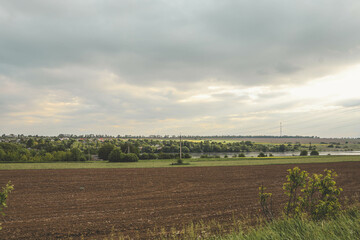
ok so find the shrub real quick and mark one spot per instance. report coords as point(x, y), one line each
point(166, 156)
point(2, 154)
point(130, 157)
point(295, 180)
point(316, 196)
point(262, 154)
point(314, 153)
point(321, 196)
point(3, 197)
point(209, 156)
point(153, 156)
point(241, 155)
point(266, 207)
point(303, 153)
point(144, 156)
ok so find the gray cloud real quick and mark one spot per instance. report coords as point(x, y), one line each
point(287, 68)
point(175, 41)
point(355, 102)
point(91, 63)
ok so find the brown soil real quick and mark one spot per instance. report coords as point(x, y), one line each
point(50, 204)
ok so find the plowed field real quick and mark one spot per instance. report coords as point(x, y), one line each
point(49, 204)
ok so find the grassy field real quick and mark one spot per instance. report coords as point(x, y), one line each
point(344, 226)
point(198, 162)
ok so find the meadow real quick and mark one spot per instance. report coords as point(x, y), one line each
point(196, 162)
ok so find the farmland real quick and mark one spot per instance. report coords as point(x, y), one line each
point(93, 203)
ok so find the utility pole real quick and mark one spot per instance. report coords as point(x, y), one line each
point(89, 151)
point(180, 146)
point(280, 129)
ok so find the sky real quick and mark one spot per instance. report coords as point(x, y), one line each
point(230, 67)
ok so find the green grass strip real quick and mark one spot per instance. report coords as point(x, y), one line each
point(345, 226)
point(196, 162)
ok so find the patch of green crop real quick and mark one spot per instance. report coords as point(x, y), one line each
point(196, 162)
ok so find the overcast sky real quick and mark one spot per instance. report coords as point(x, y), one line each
point(193, 67)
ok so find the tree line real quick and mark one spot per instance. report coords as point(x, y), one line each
point(49, 149)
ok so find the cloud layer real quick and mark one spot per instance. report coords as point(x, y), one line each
point(164, 67)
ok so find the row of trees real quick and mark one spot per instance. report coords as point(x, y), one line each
point(154, 145)
point(54, 149)
point(312, 153)
point(10, 152)
point(172, 146)
point(112, 153)
point(116, 155)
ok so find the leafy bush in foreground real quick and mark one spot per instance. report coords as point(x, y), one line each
point(3, 197)
point(316, 196)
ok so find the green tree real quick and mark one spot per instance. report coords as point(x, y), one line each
point(116, 155)
point(282, 148)
point(48, 157)
point(303, 153)
point(59, 156)
point(77, 155)
point(147, 149)
point(262, 154)
point(30, 143)
point(187, 155)
point(314, 153)
point(2, 155)
point(130, 157)
point(185, 149)
point(105, 150)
